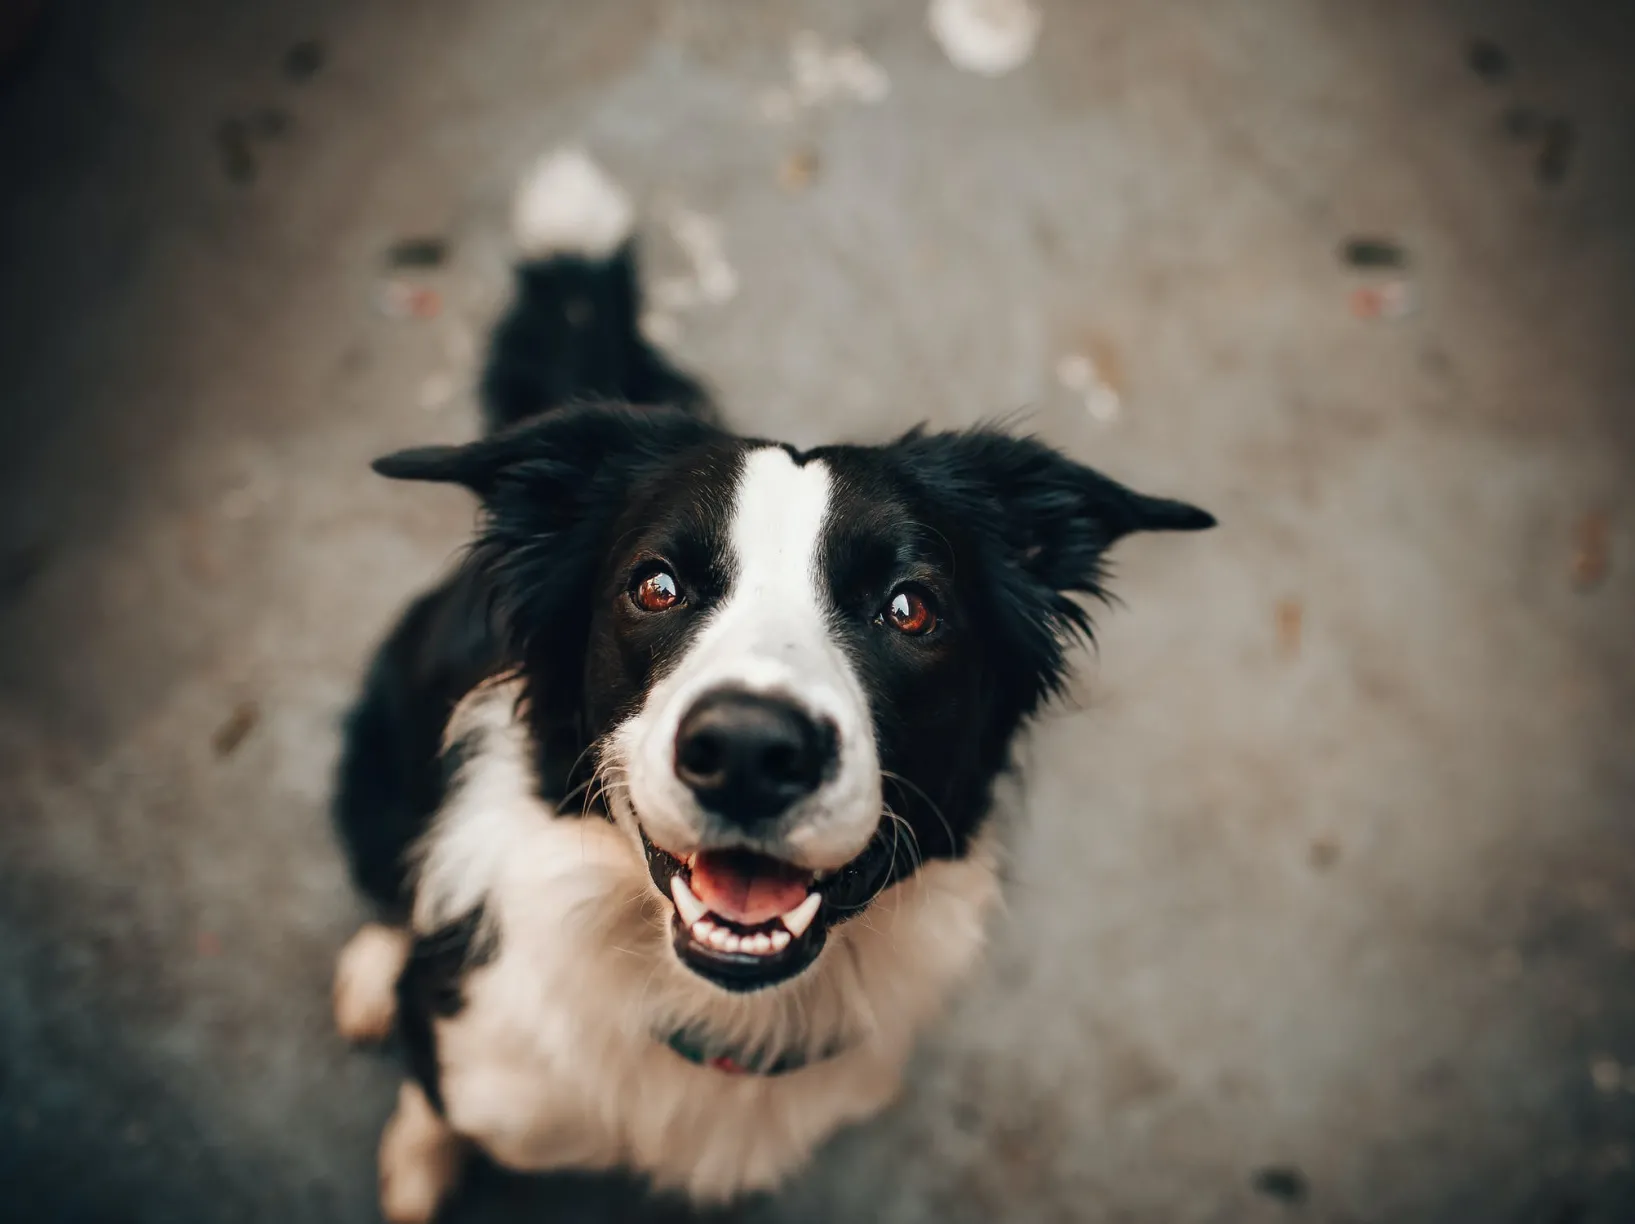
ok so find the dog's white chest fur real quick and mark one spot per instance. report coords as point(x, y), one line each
point(558, 1059)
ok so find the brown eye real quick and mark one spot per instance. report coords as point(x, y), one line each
point(910, 611)
point(656, 591)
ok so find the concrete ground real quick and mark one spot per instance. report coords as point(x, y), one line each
point(1326, 906)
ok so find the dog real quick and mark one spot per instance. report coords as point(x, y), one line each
point(680, 797)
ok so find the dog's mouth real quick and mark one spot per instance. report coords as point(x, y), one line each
point(746, 921)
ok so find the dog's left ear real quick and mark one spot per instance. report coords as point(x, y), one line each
point(1040, 524)
point(1053, 518)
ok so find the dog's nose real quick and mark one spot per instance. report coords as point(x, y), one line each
point(748, 757)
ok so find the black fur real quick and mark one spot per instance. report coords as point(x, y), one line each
point(1003, 532)
point(390, 779)
point(571, 334)
point(432, 986)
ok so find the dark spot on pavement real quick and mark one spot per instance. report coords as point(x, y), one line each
point(1373, 253)
point(1522, 123)
point(1284, 1183)
point(421, 251)
point(1555, 157)
point(270, 123)
point(236, 728)
point(233, 149)
point(20, 567)
point(304, 60)
point(1488, 60)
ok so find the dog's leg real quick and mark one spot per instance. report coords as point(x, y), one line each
point(420, 1159)
point(366, 973)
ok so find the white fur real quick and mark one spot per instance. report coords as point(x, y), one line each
point(568, 205)
point(420, 1160)
point(771, 635)
point(366, 973)
point(987, 37)
point(556, 1059)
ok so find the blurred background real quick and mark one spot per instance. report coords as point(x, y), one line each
point(1325, 909)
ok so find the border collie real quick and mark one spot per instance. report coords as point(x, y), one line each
point(677, 795)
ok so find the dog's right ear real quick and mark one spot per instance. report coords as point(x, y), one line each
point(566, 446)
point(462, 465)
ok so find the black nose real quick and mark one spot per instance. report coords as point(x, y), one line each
point(749, 758)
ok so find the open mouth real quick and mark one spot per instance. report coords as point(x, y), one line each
point(746, 921)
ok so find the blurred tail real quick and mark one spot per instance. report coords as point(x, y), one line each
point(573, 332)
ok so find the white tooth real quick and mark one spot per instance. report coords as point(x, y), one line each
point(688, 906)
point(731, 943)
point(780, 939)
point(719, 937)
point(701, 930)
point(763, 944)
point(799, 918)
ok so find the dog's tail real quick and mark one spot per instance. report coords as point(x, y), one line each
point(573, 333)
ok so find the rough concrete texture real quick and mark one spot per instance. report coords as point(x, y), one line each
point(1324, 907)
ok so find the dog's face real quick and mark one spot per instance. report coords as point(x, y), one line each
point(798, 673)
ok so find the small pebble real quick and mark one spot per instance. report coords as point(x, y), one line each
point(1607, 1074)
point(660, 328)
point(236, 728)
point(400, 300)
point(1590, 551)
point(1087, 378)
point(798, 170)
point(1325, 853)
point(1392, 300)
point(1291, 616)
point(436, 390)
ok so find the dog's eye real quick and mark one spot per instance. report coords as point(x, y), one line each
point(655, 589)
point(910, 610)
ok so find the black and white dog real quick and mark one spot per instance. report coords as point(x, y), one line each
point(677, 795)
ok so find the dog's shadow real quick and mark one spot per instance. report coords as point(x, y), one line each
point(492, 1195)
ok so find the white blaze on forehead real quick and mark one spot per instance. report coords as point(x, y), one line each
point(777, 527)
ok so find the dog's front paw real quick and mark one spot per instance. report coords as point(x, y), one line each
point(420, 1160)
point(366, 973)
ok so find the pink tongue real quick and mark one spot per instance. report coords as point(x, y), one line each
point(747, 888)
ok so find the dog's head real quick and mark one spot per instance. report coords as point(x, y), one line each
point(797, 674)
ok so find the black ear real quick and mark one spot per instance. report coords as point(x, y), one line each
point(440, 464)
point(564, 444)
point(1040, 525)
point(1051, 516)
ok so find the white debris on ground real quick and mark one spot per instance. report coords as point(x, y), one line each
point(437, 389)
point(1077, 372)
point(821, 76)
point(660, 328)
point(710, 279)
point(1391, 300)
point(1610, 1076)
point(987, 37)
